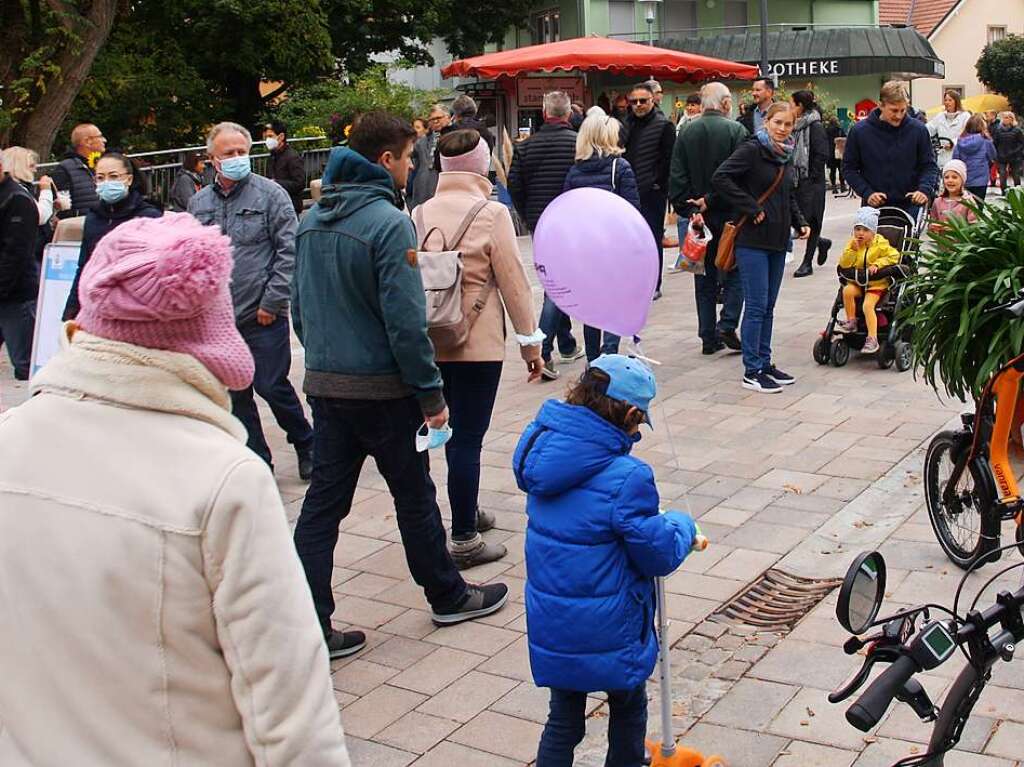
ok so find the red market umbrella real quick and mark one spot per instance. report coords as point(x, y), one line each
point(603, 54)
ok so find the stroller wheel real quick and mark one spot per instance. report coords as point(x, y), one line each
point(821, 351)
point(904, 356)
point(886, 356)
point(840, 352)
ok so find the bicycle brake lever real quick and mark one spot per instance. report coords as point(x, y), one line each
point(875, 655)
point(854, 644)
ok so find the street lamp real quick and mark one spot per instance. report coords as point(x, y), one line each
point(650, 16)
point(764, 39)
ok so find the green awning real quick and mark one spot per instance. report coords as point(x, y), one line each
point(807, 51)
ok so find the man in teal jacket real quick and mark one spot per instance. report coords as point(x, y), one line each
point(359, 309)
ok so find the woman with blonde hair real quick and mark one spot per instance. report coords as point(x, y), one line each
point(20, 164)
point(600, 164)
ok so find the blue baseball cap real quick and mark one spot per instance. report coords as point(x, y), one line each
point(631, 381)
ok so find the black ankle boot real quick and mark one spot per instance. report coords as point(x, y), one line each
point(824, 245)
point(805, 269)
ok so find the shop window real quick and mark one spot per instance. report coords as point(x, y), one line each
point(680, 15)
point(546, 27)
point(736, 13)
point(621, 18)
point(995, 34)
point(957, 89)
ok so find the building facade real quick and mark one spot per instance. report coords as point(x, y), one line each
point(957, 30)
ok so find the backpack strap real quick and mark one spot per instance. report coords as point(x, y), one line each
point(467, 222)
point(481, 300)
point(420, 226)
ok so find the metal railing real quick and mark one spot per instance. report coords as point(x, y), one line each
point(162, 166)
point(641, 35)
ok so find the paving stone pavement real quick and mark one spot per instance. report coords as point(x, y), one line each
point(801, 480)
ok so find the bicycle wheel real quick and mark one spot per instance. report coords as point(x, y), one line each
point(1020, 538)
point(958, 527)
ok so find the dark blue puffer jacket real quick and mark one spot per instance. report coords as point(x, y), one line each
point(596, 172)
point(594, 543)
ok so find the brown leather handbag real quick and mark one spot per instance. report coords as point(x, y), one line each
point(725, 257)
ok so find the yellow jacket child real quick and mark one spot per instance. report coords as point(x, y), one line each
point(867, 252)
point(878, 252)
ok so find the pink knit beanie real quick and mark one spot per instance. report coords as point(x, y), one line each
point(163, 283)
point(476, 160)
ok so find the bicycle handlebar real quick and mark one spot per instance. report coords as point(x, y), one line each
point(872, 705)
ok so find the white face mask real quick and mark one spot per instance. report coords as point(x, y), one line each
point(271, 143)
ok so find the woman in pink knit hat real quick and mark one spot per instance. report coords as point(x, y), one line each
point(152, 608)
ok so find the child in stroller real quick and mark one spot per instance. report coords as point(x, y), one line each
point(871, 273)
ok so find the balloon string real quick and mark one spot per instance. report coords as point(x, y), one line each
point(640, 352)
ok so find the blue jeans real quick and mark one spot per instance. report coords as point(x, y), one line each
point(347, 432)
point(565, 728)
point(470, 389)
point(17, 322)
point(555, 324)
point(598, 342)
point(271, 350)
point(706, 286)
point(761, 276)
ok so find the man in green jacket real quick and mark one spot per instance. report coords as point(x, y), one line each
point(359, 309)
point(705, 144)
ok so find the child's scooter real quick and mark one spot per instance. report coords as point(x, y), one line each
point(667, 753)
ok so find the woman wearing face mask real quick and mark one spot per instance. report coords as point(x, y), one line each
point(120, 200)
point(757, 166)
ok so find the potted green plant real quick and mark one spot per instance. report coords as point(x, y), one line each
point(964, 271)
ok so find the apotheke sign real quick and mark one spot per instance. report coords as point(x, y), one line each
point(810, 67)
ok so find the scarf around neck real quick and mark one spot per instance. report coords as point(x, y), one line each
point(802, 143)
point(780, 153)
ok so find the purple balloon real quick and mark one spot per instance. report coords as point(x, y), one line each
point(596, 259)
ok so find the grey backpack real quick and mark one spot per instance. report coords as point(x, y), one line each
point(448, 322)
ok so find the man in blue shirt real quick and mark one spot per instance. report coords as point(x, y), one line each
point(763, 91)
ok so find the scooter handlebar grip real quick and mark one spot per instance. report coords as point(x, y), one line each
point(699, 543)
point(872, 705)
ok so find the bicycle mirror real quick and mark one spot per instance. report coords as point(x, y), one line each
point(862, 592)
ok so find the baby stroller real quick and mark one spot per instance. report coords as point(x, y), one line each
point(904, 234)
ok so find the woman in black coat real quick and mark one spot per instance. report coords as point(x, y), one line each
point(810, 156)
point(762, 241)
point(120, 189)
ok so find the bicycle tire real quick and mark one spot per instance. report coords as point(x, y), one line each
point(978, 498)
point(957, 706)
point(1020, 538)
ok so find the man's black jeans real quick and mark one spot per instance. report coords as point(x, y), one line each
point(271, 350)
point(345, 433)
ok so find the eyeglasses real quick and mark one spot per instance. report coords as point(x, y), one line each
point(634, 102)
point(435, 118)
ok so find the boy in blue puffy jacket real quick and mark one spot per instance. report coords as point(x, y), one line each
point(594, 543)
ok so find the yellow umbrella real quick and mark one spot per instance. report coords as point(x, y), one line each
point(986, 102)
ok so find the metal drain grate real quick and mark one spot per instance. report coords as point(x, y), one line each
point(776, 601)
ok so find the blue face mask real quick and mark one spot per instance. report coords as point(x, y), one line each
point(112, 191)
point(235, 168)
point(431, 439)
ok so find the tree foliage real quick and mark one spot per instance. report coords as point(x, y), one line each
point(47, 49)
point(331, 105)
point(171, 67)
point(1001, 69)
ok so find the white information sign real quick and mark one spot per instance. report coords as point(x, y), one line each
point(60, 262)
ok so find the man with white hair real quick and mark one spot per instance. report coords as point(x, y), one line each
point(258, 215)
point(74, 173)
point(537, 176)
point(705, 144)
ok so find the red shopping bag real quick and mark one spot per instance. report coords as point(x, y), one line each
point(695, 245)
